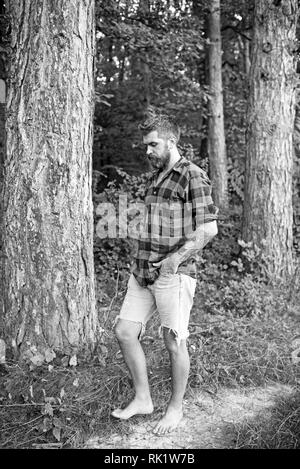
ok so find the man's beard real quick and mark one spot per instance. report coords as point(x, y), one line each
point(160, 163)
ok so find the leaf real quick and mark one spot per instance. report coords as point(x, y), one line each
point(57, 422)
point(76, 382)
point(101, 360)
point(296, 342)
point(103, 349)
point(296, 356)
point(49, 355)
point(56, 432)
point(47, 424)
point(48, 410)
point(37, 359)
point(50, 400)
point(62, 393)
point(243, 244)
point(73, 361)
point(65, 361)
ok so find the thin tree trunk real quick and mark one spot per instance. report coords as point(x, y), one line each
point(203, 78)
point(267, 219)
point(216, 134)
point(48, 224)
point(140, 69)
point(110, 60)
point(247, 62)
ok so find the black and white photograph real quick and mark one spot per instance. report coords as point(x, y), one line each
point(149, 228)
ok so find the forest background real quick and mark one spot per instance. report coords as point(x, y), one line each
point(245, 319)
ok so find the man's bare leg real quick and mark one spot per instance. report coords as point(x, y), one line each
point(127, 333)
point(180, 366)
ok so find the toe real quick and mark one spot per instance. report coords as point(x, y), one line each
point(156, 430)
point(160, 431)
point(116, 413)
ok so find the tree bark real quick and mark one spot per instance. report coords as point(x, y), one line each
point(216, 134)
point(296, 176)
point(4, 52)
point(140, 69)
point(247, 61)
point(48, 221)
point(267, 219)
point(2, 156)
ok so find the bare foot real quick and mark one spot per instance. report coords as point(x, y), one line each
point(169, 421)
point(136, 407)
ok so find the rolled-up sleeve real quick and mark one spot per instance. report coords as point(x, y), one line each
point(203, 209)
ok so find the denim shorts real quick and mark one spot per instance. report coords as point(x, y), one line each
point(171, 295)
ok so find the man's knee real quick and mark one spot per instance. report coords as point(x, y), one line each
point(126, 331)
point(171, 342)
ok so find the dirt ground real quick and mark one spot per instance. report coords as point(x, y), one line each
point(206, 423)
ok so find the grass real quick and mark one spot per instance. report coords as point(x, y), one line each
point(279, 428)
point(241, 336)
point(64, 406)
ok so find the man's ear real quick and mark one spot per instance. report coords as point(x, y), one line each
point(171, 143)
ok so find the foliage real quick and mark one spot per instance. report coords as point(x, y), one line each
point(244, 294)
point(235, 272)
point(145, 56)
point(113, 255)
point(63, 404)
point(277, 429)
point(154, 52)
point(235, 114)
point(241, 335)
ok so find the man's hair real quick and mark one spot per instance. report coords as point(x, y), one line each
point(164, 124)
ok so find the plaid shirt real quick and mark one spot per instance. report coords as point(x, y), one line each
point(176, 206)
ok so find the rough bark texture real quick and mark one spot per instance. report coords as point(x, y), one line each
point(268, 182)
point(296, 176)
point(48, 225)
point(3, 77)
point(216, 135)
point(2, 155)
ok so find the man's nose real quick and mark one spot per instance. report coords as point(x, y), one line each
point(149, 151)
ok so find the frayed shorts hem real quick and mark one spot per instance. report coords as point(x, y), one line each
point(170, 295)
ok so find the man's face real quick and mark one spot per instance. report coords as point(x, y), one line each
point(157, 150)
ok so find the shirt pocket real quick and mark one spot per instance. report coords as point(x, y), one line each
point(172, 217)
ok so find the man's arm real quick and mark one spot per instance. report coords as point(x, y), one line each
point(195, 242)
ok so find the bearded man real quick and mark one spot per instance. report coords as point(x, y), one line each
point(180, 221)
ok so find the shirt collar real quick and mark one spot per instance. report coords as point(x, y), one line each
point(178, 165)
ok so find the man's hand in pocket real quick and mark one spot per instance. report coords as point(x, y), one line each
point(168, 265)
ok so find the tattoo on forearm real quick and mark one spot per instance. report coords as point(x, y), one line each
point(197, 240)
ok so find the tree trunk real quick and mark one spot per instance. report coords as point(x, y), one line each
point(140, 69)
point(247, 62)
point(267, 219)
point(3, 78)
point(216, 134)
point(296, 176)
point(2, 156)
point(48, 224)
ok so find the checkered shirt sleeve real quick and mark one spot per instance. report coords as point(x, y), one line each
point(200, 199)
